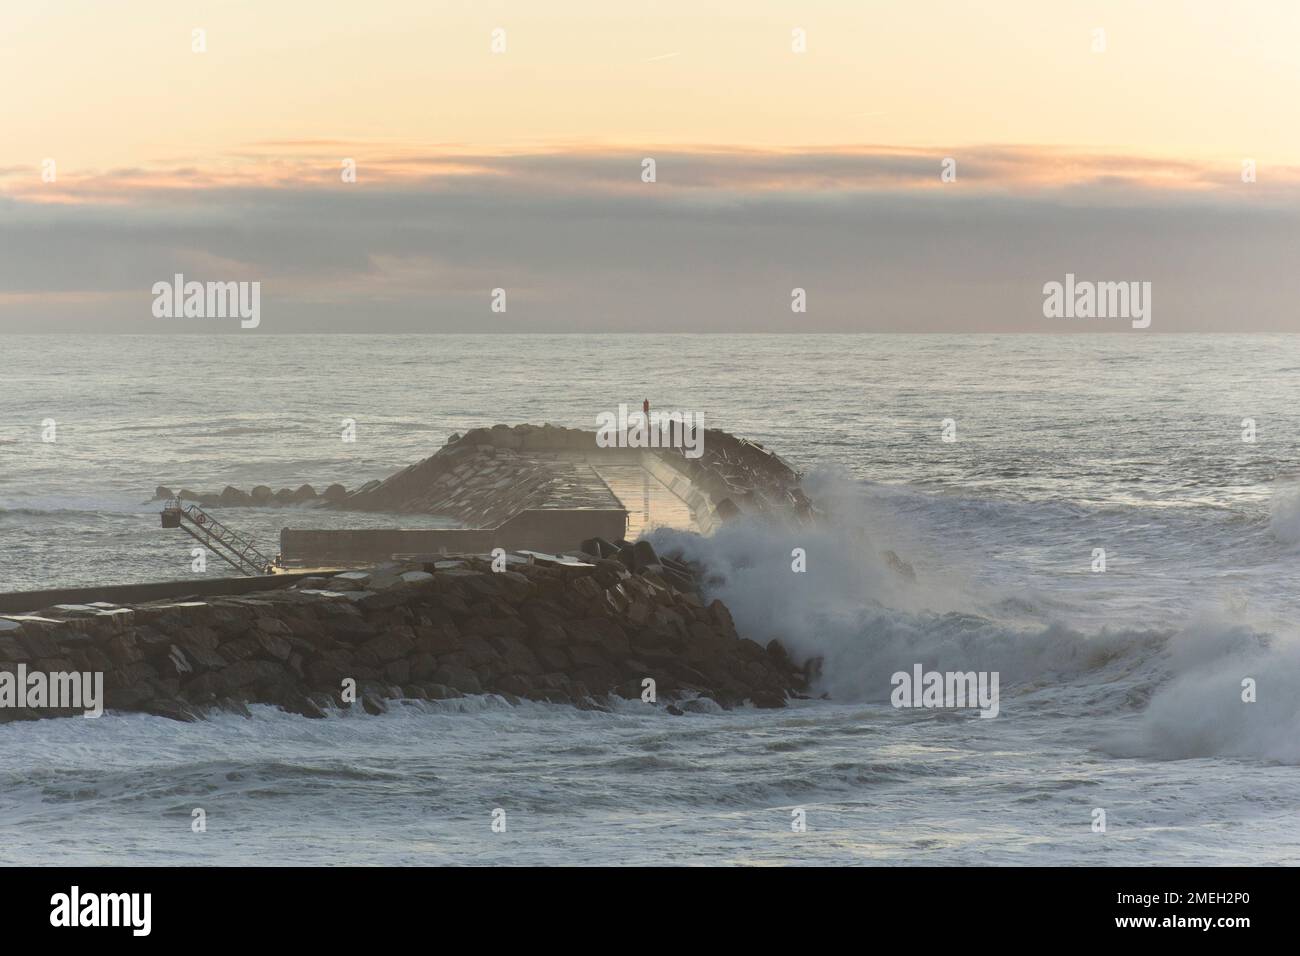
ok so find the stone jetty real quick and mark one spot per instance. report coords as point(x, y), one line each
point(436, 614)
point(612, 621)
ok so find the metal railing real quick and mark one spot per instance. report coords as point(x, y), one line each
point(234, 548)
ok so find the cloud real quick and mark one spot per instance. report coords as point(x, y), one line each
point(303, 164)
point(717, 244)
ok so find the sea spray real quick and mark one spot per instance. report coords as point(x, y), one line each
point(863, 621)
point(1284, 514)
point(1231, 691)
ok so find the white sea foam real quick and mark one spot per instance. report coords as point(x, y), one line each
point(1284, 514)
point(1201, 710)
point(864, 619)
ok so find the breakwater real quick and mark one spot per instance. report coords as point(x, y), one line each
point(487, 475)
point(564, 629)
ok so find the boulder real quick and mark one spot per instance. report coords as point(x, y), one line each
point(438, 691)
point(172, 709)
point(598, 548)
point(350, 580)
point(386, 647)
point(230, 495)
point(643, 556)
point(461, 678)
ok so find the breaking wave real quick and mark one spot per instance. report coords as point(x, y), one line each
point(1284, 514)
point(1175, 686)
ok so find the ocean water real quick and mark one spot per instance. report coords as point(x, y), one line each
point(1120, 689)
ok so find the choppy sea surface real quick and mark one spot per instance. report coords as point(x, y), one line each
point(1121, 690)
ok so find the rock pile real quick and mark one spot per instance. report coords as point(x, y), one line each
point(570, 629)
point(260, 496)
point(743, 477)
point(491, 474)
point(485, 476)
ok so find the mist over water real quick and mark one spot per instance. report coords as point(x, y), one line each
point(1119, 689)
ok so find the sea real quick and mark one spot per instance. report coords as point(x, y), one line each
point(1111, 524)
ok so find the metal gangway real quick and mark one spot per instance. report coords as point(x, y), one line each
point(232, 547)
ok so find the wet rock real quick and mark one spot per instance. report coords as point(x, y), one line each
point(643, 556)
point(121, 694)
point(610, 572)
point(701, 705)
point(387, 647)
point(305, 706)
point(350, 580)
point(514, 685)
point(777, 652)
point(399, 671)
point(230, 706)
point(232, 496)
point(124, 649)
point(461, 678)
point(899, 566)
point(272, 645)
point(599, 548)
point(173, 710)
point(423, 665)
point(193, 660)
point(245, 673)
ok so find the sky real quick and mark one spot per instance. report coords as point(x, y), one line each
point(502, 145)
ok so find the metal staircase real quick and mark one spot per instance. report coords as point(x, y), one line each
point(232, 547)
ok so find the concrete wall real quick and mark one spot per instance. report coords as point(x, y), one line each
point(701, 505)
point(559, 530)
point(538, 530)
point(362, 546)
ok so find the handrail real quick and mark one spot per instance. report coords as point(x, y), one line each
point(234, 548)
